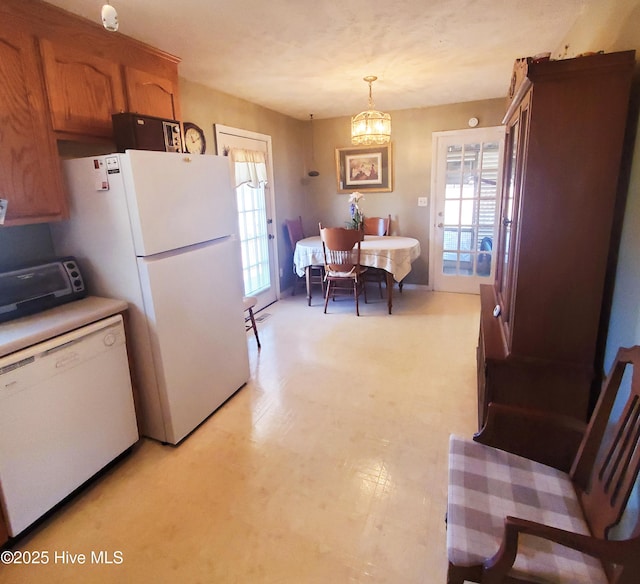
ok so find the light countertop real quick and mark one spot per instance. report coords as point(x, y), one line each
point(26, 331)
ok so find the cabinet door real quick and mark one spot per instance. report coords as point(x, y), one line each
point(506, 216)
point(30, 174)
point(83, 89)
point(150, 94)
point(509, 213)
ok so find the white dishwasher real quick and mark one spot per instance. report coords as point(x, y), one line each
point(66, 411)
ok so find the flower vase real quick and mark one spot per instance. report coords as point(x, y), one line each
point(357, 218)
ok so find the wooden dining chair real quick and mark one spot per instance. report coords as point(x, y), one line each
point(519, 513)
point(343, 272)
point(249, 303)
point(377, 226)
point(316, 273)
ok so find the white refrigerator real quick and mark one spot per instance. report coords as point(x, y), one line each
point(159, 230)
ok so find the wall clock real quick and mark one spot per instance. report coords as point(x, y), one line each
point(194, 141)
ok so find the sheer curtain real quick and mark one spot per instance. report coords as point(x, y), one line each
point(250, 169)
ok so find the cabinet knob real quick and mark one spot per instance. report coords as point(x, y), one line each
point(507, 222)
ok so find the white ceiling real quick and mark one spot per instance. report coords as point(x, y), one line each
point(309, 56)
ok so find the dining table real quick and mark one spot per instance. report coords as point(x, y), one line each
point(392, 253)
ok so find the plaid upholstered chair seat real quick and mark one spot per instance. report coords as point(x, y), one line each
point(486, 485)
point(534, 497)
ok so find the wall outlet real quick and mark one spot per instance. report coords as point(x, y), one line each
point(423, 201)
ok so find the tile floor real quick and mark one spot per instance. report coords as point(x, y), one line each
point(328, 467)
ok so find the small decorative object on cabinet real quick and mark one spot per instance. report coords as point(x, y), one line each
point(540, 321)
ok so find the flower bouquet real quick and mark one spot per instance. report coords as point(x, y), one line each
point(357, 217)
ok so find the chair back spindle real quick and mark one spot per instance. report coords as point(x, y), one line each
point(605, 491)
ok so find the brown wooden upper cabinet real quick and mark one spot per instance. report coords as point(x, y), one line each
point(30, 175)
point(83, 89)
point(150, 94)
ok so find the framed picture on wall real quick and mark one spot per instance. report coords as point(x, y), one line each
point(364, 169)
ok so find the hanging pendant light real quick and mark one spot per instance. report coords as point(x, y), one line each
point(371, 126)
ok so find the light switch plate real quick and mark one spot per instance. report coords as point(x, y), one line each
point(423, 201)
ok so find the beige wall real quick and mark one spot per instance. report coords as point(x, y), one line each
point(411, 137)
point(316, 198)
point(206, 107)
point(610, 26)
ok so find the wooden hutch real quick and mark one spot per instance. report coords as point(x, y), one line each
point(540, 319)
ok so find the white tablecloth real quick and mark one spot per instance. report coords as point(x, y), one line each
point(391, 253)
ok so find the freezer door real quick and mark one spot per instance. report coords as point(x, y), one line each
point(176, 200)
point(193, 302)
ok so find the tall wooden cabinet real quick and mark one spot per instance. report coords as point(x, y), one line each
point(540, 319)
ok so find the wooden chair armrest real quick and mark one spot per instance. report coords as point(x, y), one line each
point(497, 567)
point(548, 438)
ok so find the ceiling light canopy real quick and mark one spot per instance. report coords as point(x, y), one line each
point(109, 17)
point(372, 126)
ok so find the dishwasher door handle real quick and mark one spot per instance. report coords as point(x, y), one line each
point(68, 359)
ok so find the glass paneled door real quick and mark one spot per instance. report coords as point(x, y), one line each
point(466, 188)
point(254, 196)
